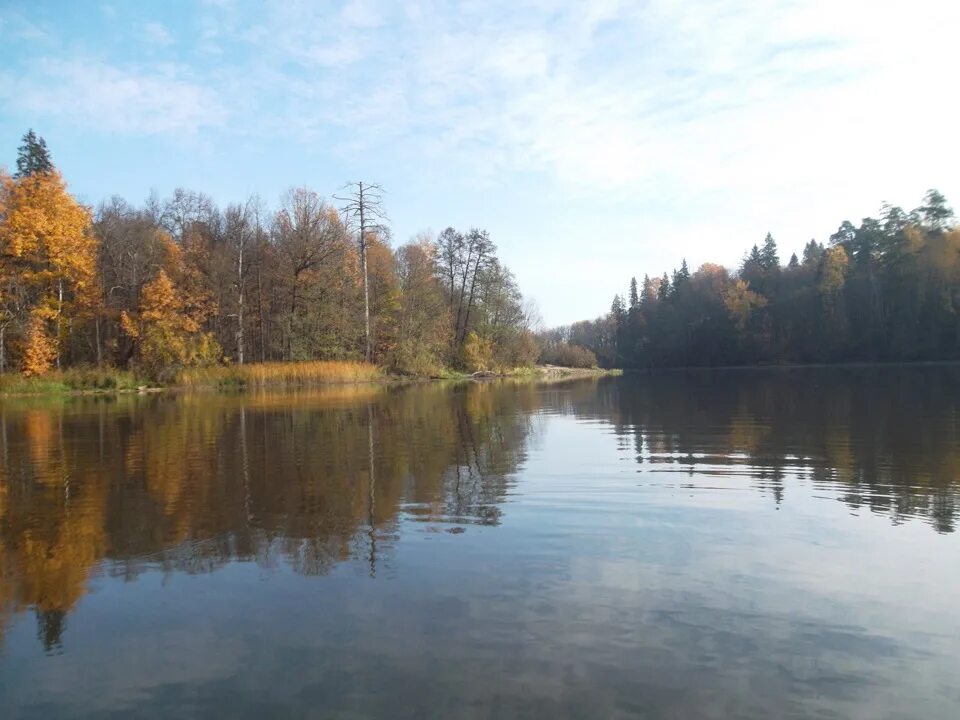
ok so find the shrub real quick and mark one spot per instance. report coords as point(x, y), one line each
point(567, 355)
point(477, 353)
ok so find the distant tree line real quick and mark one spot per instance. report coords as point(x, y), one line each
point(180, 282)
point(886, 290)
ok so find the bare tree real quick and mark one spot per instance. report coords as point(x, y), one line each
point(363, 205)
point(480, 250)
point(240, 234)
point(184, 211)
point(306, 234)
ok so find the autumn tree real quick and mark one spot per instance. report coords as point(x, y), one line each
point(132, 247)
point(423, 324)
point(742, 302)
point(382, 300)
point(168, 330)
point(48, 256)
point(307, 236)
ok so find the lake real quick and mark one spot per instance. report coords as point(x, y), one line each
point(773, 543)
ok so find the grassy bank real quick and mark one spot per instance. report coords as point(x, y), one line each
point(281, 374)
point(259, 375)
point(74, 380)
point(277, 375)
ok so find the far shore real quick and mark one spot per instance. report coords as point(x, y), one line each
point(271, 376)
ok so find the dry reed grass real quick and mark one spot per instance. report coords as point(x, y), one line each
point(281, 374)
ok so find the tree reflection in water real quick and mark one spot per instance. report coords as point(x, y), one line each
point(310, 480)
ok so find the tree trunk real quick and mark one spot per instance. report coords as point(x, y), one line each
point(263, 348)
point(473, 285)
point(366, 285)
point(463, 287)
point(293, 311)
point(99, 346)
point(240, 331)
point(59, 316)
point(240, 306)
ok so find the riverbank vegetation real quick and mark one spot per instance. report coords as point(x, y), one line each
point(71, 380)
point(887, 289)
point(280, 374)
point(180, 291)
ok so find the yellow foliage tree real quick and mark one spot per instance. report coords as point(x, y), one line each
point(741, 302)
point(477, 352)
point(169, 336)
point(48, 250)
point(384, 296)
point(833, 274)
point(39, 349)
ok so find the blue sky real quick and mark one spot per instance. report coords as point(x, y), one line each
point(595, 140)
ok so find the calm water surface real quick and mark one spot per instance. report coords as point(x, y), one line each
point(749, 544)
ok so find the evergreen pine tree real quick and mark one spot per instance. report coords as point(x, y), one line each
point(33, 156)
point(616, 308)
point(648, 292)
point(812, 252)
point(769, 259)
point(934, 211)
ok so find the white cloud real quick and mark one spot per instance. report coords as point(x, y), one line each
point(156, 34)
point(679, 121)
point(361, 13)
point(108, 98)
point(715, 94)
point(14, 25)
point(335, 55)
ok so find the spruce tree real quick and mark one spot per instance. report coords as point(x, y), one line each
point(616, 308)
point(648, 293)
point(33, 156)
point(769, 259)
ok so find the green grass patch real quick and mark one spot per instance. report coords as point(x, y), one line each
point(78, 379)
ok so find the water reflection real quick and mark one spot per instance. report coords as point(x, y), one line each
point(888, 437)
point(190, 483)
point(315, 480)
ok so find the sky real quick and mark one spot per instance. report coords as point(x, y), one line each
point(595, 140)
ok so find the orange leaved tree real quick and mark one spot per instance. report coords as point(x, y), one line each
point(47, 266)
point(168, 327)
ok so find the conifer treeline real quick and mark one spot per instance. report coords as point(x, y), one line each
point(180, 282)
point(886, 290)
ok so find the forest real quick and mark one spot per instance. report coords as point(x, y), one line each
point(178, 283)
point(886, 290)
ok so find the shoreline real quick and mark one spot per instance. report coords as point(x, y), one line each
point(46, 387)
point(852, 364)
